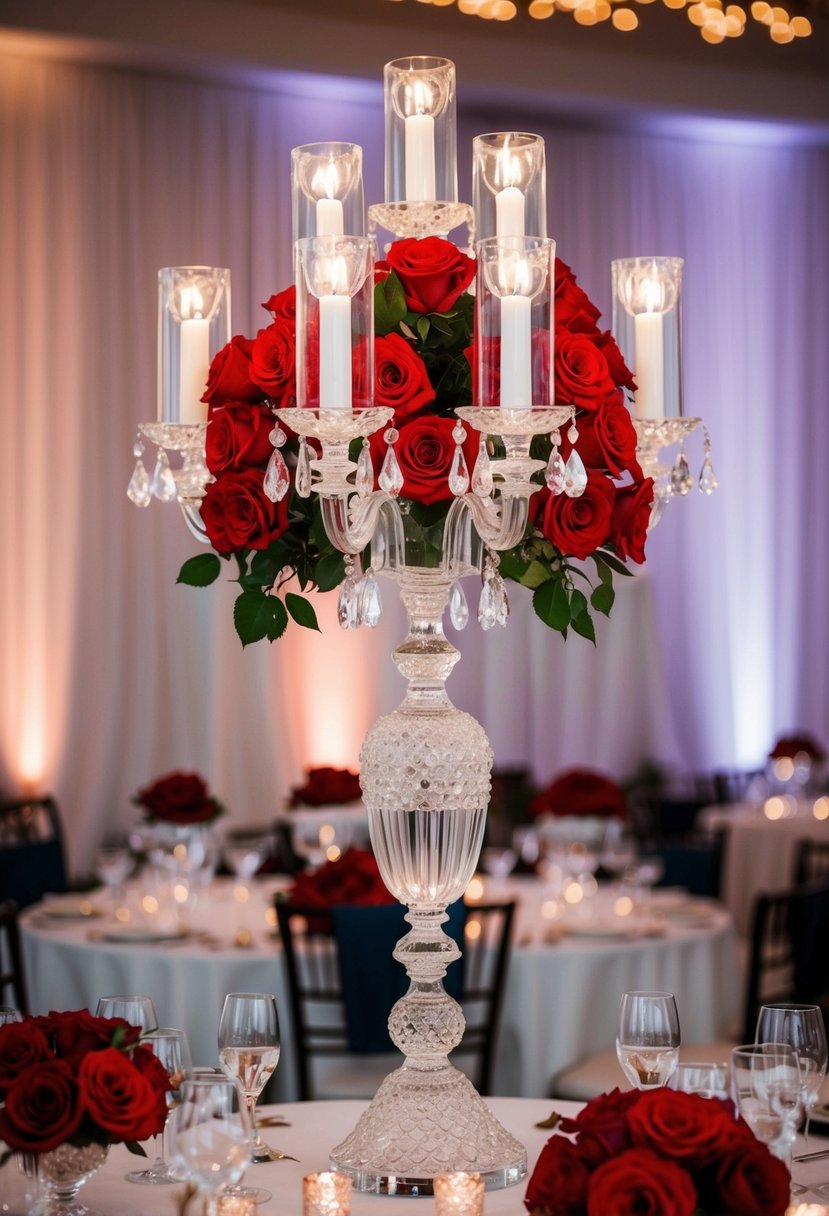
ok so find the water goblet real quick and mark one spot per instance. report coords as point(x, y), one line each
point(113, 865)
point(647, 1042)
point(802, 1027)
point(244, 855)
point(249, 1051)
point(171, 1049)
point(498, 862)
point(212, 1133)
point(137, 1010)
point(708, 1080)
point(9, 1014)
point(766, 1088)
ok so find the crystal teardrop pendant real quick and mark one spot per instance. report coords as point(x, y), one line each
point(681, 479)
point(364, 481)
point(458, 473)
point(575, 480)
point(303, 470)
point(277, 480)
point(391, 479)
point(487, 606)
point(482, 475)
point(707, 478)
point(556, 475)
point(347, 604)
point(458, 607)
point(162, 483)
point(370, 607)
point(501, 601)
point(138, 490)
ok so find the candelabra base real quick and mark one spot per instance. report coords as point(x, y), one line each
point(422, 1123)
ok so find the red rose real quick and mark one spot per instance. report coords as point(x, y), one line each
point(73, 1033)
point(620, 373)
point(283, 304)
point(573, 308)
point(789, 746)
point(237, 513)
point(581, 791)
point(560, 1179)
point(685, 1127)
point(607, 439)
point(21, 1045)
point(578, 526)
point(602, 1126)
point(750, 1182)
point(178, 798)
point(273, 362)
point(639, 1183)
point(327, 786)
point(400, 377)
point(580, 369)
point(229, 378)
point(150, 1067)
point(119, 1097)
point(433, 272)
point(41, 1109)
point(424, 452)
point(631, 519)
point(237, 437)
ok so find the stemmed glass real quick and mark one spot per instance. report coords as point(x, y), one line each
point(249, 1052)
point(765, 1082)
point(113, 865)
point(212, 1133)
point(244, 855)
point(137, 1010)
point(802, 1028)
point(171, 1049)
point(9, 1014)
point(708, 1080)
point(647, 1043)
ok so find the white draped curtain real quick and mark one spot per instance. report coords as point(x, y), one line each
point(112, 674)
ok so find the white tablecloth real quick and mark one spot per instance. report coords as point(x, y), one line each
point(560, 1003)
point(760, 853)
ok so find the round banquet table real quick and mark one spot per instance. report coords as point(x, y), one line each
point(561, 995)
point(760, 853)
point(315, 1128)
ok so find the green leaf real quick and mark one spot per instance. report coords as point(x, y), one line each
point(603, 570)
point(330, 571)
point(602, 598)
point(301, 610)
point(583, 625)
point(266, 565)
point(423, 327)
point(134, 1147)
point(257, 615)
point(535, 574)
point(617, 566)
point(578, 604)
point(389, 304)
point(551, 604)
point(513, 565)
point(200, 571)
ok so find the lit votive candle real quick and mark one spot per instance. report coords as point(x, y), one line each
point(459, 1194)
point(231, 1205)
point(326, 1194)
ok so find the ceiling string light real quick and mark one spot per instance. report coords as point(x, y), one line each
point(715, 19)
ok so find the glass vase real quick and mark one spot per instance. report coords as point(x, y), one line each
point(61, 1174)
point(425, 773)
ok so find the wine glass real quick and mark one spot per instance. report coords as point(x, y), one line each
point(802, 1027)
point(244, 855)
point(113, 865)
point(9, 1014)
point(708, 1080)
point(249, 1051)
point(647, 1043)
point(212, 1133)
point(171, 1049)
point(137, 1010)
point(766, 1087)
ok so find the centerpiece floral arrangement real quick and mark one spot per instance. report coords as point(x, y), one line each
point(656, 1153)
point(354, 878)
point(423, 369)
point(326, 786)
point(581, 791)
point(71, 1078)
point(178, 798)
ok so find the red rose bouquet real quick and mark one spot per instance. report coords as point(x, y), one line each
point(423, 370)
point(327, 787)
point(581, 791)
point(656, 1153)
point(789, 747)
point(180, 798)
point(354, 878)
point(71, 1078)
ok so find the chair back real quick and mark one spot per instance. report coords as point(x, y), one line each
point(32, 862)
point(12, 983)
point(343, 980)
point(811, 862)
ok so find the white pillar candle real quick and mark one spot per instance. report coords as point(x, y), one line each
point(420, 158)
point(516, 353)
point(329, 217)
point(335, 352)
point(650, 365)
point(194, 364)
point(509, 212)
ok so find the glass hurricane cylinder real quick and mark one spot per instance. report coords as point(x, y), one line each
point(334, 322)
point(646, 326)
point(514, 322)
point(509, 186)
point(421, 130)
point(327, 190)
point(193, 326)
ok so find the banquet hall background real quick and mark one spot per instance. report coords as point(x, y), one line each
point(113, 674)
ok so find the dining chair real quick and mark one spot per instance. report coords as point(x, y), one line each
point(811, 861)
point(32, 859)
point(343, 982)
point(12, 980)
point(788, 961)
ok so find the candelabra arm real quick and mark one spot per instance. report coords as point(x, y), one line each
point(191, 510)
point(351, 522)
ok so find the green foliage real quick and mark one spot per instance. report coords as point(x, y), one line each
point(200, 571)
point(258, 615)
